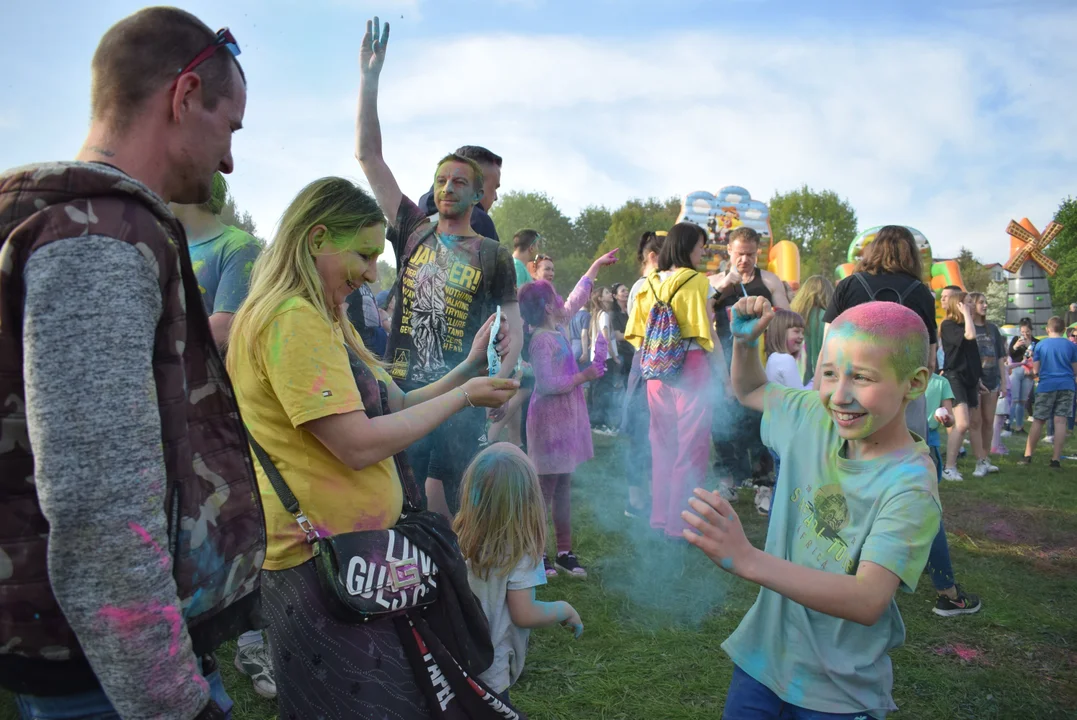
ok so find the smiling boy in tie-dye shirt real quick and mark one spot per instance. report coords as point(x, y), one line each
point(855, 511)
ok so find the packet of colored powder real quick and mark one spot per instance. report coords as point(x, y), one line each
point(493, 360)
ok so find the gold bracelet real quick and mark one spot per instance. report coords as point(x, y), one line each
point(467, 397)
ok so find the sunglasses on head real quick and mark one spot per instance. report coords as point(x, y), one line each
point(224, 39)
point(540, 258)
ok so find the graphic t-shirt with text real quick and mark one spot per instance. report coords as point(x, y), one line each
point(831, 513)
point(443, 297)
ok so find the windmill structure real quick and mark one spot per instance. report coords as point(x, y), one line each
point(1029, 292)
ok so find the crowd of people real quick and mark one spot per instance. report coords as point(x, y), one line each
point(249, 443)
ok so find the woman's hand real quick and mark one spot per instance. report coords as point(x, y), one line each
point(476, 357)
point(608, 259)
point(490, 392)
point(593, 372)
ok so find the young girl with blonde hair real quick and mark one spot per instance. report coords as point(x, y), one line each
point(501, 528)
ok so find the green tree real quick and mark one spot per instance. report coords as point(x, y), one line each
point(627, 223)
point(821, 223)
point(997, 296)
point(591, 226)
point(386, 277)
point(1063, 249)
point(975, 276)
point(517, 211)
point(231, 215)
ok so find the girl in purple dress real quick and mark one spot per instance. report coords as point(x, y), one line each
point(558, 429)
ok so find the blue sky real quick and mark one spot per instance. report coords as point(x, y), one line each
point(951, 117)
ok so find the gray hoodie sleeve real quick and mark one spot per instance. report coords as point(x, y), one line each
point(92, 306)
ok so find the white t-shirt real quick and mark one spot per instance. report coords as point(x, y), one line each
point(509, 641)
point(605, 326)
point(782, 369)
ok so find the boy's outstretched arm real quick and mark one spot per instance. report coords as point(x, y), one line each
point(751, 315)
point(368, 127)
point(861, 598)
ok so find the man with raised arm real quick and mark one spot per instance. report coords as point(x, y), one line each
point(450, 281)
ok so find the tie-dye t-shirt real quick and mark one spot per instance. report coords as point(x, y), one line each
point(308, 376)
point(830, 513)
point(223, 268)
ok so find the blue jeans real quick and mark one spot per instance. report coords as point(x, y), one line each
point(94, 705)
point(938, 560)
point(749, 699)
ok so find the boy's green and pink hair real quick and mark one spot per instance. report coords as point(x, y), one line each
point(889, 325)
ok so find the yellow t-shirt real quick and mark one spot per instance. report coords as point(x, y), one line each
point(689, 305)
point(308, 376)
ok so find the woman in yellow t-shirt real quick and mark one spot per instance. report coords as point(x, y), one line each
point(681, 407)
point(333, 441)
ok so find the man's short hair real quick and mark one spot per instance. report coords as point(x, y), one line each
point(889, 325)
point(525, 239)
point(476, 171)
point(147, 50)
point(953, 288)
point(1055, 325)
point(479, 154)
point(743, 234)
point(217, 195)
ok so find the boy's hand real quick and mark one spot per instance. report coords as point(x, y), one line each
point(943, 416)
point(751, 315)
point(573, 621)
point(372, 51)
point(720, 536)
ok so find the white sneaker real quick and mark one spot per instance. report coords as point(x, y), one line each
point(981, 469)
point(1049, 440)
point(727, 491)
point(1005, 433)
point(987, 464)
point(763, 496)
point(952, 474)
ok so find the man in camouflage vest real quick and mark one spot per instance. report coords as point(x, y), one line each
point(131, 533)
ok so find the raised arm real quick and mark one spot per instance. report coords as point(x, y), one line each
point(368, 128)
point(549, 378)
point(751, 315)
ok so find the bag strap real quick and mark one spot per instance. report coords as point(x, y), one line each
point(287, 497)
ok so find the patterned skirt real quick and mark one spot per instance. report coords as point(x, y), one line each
point(330, 670)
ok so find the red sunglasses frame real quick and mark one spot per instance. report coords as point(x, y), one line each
point(224, 39)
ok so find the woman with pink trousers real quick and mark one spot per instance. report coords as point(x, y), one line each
point(681, 405)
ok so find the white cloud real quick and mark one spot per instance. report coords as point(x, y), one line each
point(953, 134)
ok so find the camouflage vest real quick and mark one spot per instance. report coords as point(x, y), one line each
point(215, 520)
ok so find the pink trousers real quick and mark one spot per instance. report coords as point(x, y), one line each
point(681, 411)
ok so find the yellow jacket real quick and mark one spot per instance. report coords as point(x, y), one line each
point(689, 305)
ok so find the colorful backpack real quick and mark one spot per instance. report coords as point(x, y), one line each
point(662, 352)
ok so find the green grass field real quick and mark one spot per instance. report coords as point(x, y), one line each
point(656, 614)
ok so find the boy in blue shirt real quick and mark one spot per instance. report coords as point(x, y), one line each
point(854, 514)
point(1054, 361)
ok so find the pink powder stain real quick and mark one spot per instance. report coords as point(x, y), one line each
point(319, 383)
point(129, 622)
point(962, 651)
point(146, 538)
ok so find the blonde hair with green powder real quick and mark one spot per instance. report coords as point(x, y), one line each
point(286, 268)
point(502, 516)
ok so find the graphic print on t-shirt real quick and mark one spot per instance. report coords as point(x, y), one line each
point(825, 515)
point(438, 288)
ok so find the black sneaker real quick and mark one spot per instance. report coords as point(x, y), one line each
point(567, 561)
point(1026, 460)
point(965, 604)
point(551, 571)
point(1056, 464)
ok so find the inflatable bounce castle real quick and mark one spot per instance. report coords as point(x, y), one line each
point(730, 208)
point(937, 275)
